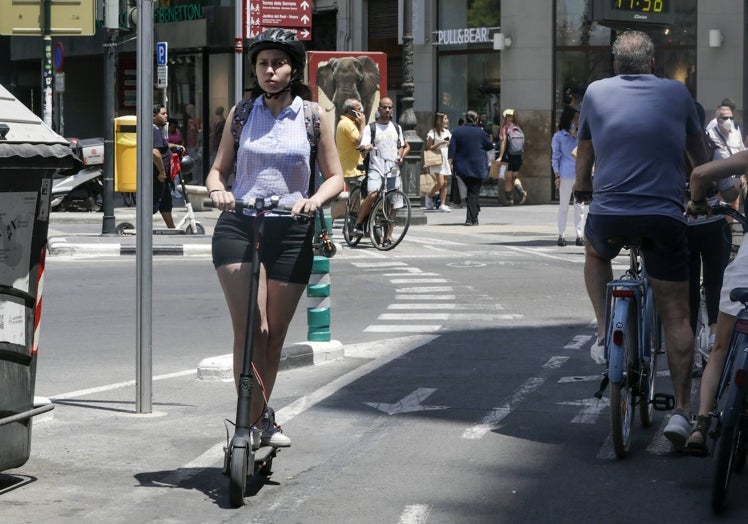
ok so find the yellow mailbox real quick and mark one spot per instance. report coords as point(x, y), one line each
point(125, 154)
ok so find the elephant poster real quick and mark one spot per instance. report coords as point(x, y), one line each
point(337, 76)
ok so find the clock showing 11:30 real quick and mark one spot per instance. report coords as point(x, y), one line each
point(641, 11)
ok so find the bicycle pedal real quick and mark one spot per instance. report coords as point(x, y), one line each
point(663, 402)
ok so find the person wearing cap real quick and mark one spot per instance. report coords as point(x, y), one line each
point(514, 160)
point(272, 158)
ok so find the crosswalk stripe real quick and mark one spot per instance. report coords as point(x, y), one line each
point(418, 280)
point(391, 328)
point(425, 297)
point(424, 289)
point(430, 305)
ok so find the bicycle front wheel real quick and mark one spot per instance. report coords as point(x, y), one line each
point(649, 372)
point(351, 215)
point(621, 394)
point(389, 220)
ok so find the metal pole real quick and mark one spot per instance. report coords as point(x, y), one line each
point(110, 72)
point(411, 171)
point(47, 65)
point(239, 47)
point(144, 226)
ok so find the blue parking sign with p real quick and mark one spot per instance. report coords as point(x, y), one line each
point(161, 53)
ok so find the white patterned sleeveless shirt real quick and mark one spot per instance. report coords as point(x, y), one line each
point(273, 155)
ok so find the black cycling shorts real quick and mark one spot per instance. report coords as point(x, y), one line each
point(285, 250)
point(665, 246)
point(514, 161)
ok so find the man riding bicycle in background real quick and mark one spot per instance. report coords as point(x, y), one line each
point(385, 144)
point(634, 128)
point(702, 185)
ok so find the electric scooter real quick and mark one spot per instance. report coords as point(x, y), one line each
point(181, 165)
point(238, 453)
point(81, 188)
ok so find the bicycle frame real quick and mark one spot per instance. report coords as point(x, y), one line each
point(735, 373)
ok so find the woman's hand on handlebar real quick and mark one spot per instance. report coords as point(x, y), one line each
point(223, 200)
point(305, 207)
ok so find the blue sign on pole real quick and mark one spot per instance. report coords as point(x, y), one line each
point(161, 53)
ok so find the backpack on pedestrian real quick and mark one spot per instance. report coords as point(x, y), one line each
point(515, 141)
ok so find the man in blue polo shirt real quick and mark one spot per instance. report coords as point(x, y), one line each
point(635, 128)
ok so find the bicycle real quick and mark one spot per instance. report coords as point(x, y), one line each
point(731, 432)
point(388, 219)
point(633, 343)
point(737, 227)
point(322, 244)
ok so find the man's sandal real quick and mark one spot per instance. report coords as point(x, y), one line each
point(696, 443)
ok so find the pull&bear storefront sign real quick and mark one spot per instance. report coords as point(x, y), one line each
point(468, 35)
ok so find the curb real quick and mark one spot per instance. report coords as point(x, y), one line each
point(221, 368)
point(57, 246)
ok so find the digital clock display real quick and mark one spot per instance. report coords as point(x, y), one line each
point(642, 6)
point(658, 12)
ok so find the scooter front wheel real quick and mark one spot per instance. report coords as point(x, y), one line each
point(238, 466)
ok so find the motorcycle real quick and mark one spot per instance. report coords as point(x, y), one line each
point(81, 188)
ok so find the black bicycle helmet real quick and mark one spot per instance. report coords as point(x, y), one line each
point(277, 38)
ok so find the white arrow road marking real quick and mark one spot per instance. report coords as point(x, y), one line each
point(591, 410)
point(496, 415)
point(408, 404)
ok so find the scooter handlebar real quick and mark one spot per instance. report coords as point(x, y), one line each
point(262, 204)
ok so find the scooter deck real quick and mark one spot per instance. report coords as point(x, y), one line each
point(264, 453)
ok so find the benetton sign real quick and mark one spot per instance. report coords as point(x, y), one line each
point(468, 35)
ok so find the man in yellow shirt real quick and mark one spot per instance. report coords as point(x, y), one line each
point(347, 141)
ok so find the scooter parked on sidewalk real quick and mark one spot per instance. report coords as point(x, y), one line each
point(181, 166)
point(81, 189)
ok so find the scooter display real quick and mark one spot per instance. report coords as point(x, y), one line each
point(81, 189)
point(181, 166)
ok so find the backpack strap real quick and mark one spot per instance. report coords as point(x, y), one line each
point(241, 115)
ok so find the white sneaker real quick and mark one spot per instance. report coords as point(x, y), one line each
point(428, 202)
point(272, 435)
point(254, 433)
point(597, 352)
point(678, 428)
point(444, 209)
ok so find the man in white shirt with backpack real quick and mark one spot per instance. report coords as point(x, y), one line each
point(385, 144)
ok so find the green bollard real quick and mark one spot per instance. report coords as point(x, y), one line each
point(318, 314)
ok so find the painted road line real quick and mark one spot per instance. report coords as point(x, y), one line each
point(419, 280)
point(415, 514)
point(496, 415)
point(425, 297)
point(425, 289)
point(493, 307)
point(380, 328)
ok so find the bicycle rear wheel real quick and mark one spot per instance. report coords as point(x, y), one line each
point(351, 215)
point(724, 465)
point(621, 393)
point(389, 220)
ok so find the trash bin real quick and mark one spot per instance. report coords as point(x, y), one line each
point(125, 154)
point(30, 155)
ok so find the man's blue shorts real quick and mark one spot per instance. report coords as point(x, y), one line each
point(664, 246)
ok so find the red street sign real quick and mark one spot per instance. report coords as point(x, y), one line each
point(302, 33)
point(281, 13)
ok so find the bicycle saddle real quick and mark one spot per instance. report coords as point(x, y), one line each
point(628, 241)
point(740, 294)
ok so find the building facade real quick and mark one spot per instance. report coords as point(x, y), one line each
point(485, 55)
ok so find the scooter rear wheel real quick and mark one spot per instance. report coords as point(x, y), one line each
point(124, 229)
point(199, 229)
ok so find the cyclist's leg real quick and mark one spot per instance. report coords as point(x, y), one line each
point(671, 298)
point(371, 186)
point(598, 271)
point(713, 369)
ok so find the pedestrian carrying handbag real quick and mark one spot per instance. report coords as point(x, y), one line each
point(427, 183)
point(431, 158)
point(498, 170)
